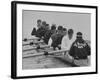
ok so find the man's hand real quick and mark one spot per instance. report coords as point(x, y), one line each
point(59, 45)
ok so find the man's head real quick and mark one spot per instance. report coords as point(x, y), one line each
point(79, 35)
point(60, 29)
point(53, 27)
point(43, 23)
point(47, 26)
point(39, 23)
point(70, 33)
point(64, 31)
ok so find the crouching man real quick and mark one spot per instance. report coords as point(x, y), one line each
point(80, 51)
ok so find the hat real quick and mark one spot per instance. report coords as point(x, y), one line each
point(79, 34)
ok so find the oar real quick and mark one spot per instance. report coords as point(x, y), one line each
point(44, 53)
point(31, 43)
point(26, 39)
point(37, 47)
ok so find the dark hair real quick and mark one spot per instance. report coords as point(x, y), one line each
point(39, 20)
point(44, 22)
point(60, 28)
point(79, 33)
point(64, 29)
point(70, 31)
point(47, 24)
point(53, 27)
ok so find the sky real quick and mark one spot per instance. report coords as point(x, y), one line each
point(76, 21)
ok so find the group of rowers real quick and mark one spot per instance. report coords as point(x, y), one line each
point(61, 38)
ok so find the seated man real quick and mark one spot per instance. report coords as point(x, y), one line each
point(68, 39)
point(38, 26)
point(49, 33)
point(64, 31)
point(39, 23)
point(41, 30)
point(80, 51)
point(56, 38)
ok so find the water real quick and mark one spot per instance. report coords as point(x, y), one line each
point(41, 62)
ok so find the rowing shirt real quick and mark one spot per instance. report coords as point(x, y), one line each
point(66, 42)
point(80, 49)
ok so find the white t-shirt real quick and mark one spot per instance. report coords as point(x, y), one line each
point(50, 42)
point(66, 42)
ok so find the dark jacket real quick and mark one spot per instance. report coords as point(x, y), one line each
point(40, 32)
point(56, 39)
point(33, 31)
point(48, 35)
point(80, 49)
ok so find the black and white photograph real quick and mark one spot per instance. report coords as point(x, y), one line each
point(54, 39)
